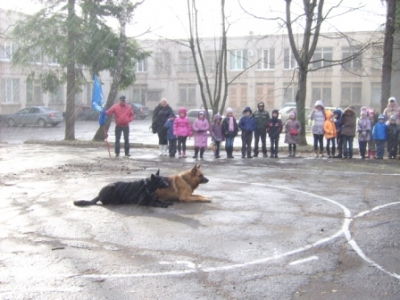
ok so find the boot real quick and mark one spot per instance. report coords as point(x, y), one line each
point(294, 153)
point(184, 155)
point(373, 154)
point(368, 154)
point(243, 154)
point(328, 152)
point(316, 153)
point(165, 150)
point(249, 154)
point(290, 153)
point(230, 155)
point(333, 152)
point(321, 153)
point(201, 152)
point(196, 152)
point(161, 150)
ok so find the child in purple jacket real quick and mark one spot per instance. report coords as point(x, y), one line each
point(216, 134)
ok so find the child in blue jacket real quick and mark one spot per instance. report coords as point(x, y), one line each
point(247, 124)
point(379, 136)
point(169, 124)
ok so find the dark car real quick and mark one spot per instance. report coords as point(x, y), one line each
point(34, 115)
point(139, 110)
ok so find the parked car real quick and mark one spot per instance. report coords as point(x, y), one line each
point(193, 114)
point(34, 115)
point(88, 115)
point(139, 110)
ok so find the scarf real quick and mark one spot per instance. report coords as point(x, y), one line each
point(231, 127)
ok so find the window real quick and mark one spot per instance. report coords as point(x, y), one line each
point(238, 60)
point(187, 94)
point(162, 62)
point(210, 60)
point(238, 95)
point(34, 92)
point(141, 66)
point(289, 62)
point(7, 50)
point(322, 91)
point(267, 59)
point(265, 92)
point(10, 88)
point(35, 56)
point(377, 58)
point(57, 97)
point(356, 62)
point(320, 56)
point(289, 92)
point(376, 94)
point(351, 94)
point(154, 95)
point(140, 93)
point(186, 63)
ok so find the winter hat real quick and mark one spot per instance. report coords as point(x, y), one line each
point(319, 102)
point(337, 112)
point(370, 112)
point(392, 99)
point(363, 113)
point(392, 118)
point(201, 112)
point(363, 108)
point(246, 109)
point(382, 117)
point(171, 115)
point(122, 98)
point(229, 110)
point(182, 110)
point(292, 114)
point(260, 104)
point(275, 111)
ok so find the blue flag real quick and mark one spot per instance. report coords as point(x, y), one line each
point(97, 95)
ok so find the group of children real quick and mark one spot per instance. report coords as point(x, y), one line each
point(337, 127)
point(342, 127)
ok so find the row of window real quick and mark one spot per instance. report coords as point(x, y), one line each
point(239, 60)
point(11, 92)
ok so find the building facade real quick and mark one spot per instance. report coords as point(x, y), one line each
point(263, 69)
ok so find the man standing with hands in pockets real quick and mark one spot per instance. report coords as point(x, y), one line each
point(123, 116)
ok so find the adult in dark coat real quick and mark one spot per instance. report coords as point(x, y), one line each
point(261, 116)
point(349, 124)
point(160, 116)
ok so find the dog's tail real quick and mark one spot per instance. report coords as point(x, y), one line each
point(86, 202)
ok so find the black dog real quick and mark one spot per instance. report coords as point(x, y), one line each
point(134, 192)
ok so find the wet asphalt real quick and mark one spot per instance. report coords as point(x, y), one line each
point(286, 228)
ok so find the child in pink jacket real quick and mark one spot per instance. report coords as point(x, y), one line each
point(200, 128)
point(182, 131)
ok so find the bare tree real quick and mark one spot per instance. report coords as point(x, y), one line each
point(388, 51)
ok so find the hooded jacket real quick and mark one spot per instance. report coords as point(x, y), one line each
point(392, 110)
point(261, 118)
point(338, 112)
point(200, 128)
point(329, 126)
point(379, 130)
point(274, 126)
point(364, 129)
point(216, 129)
point(247, 123)
point(182, 125)
point(348, 122)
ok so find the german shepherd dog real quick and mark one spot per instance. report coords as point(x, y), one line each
point(182, 186)
point(140, 192)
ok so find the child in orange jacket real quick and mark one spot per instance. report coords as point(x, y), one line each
point(330, 133)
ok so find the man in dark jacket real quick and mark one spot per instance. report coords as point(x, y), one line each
point(262, 118)
point(274, 129)
point(247, 124)
point(348, 122)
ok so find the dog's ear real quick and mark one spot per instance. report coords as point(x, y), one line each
point(198, 166)
point(158, 172)
point(152, 177)
point(194, 170)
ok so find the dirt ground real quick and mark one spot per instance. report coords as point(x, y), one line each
point(301, 228)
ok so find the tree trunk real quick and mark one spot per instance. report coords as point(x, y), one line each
point(99, 136)
point(70, 107)
point(301, 103)
point(388, 52)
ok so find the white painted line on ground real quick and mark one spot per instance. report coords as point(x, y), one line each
point(300, 261)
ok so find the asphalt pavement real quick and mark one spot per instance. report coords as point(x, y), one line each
point(289, 228)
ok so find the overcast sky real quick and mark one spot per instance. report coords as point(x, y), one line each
point(168, 18)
